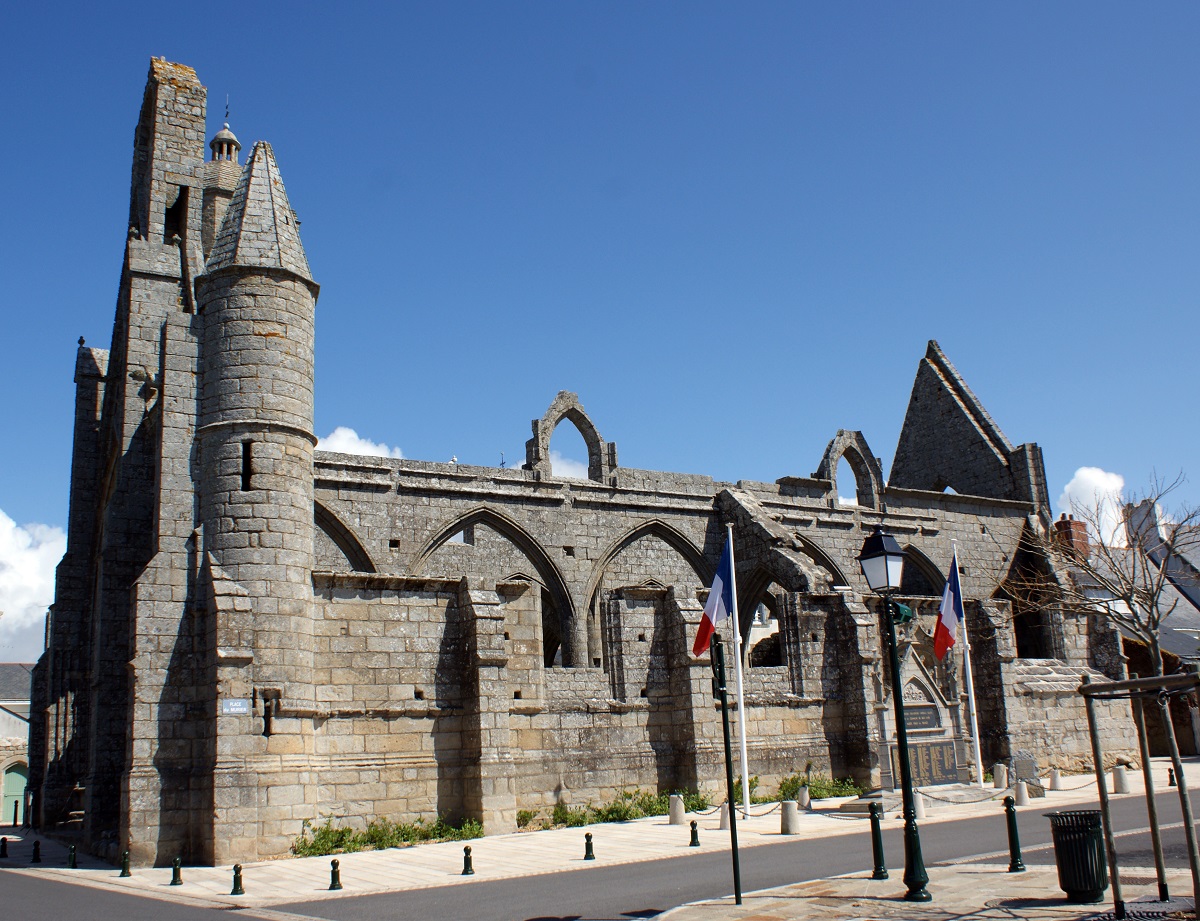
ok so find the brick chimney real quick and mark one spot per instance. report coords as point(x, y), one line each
point(1072, 536)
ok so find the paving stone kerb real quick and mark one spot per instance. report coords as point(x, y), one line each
point(249, 634)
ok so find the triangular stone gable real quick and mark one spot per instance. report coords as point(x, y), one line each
point(949, 441)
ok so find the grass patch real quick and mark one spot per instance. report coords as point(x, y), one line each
point(319, 840)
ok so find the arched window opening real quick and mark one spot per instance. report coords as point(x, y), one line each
point(568, 452)
point(847, 483)
point(764, 636)
point(1034, 635)
point(551, 633)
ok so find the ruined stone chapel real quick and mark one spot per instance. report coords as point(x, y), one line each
point(248, 633)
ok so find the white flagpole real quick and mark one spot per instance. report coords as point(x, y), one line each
point(741, 699)
point(968, 679)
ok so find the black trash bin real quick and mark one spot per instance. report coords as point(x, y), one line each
point(1079, 854)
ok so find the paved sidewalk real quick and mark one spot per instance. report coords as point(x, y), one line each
point(961, 889)
point(968, 891)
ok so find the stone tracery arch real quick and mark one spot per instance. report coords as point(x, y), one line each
point(868, 474)
point(602, 456)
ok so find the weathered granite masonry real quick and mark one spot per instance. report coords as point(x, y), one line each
point(249, 634)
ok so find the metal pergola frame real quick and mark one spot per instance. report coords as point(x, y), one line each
point(1137, 690)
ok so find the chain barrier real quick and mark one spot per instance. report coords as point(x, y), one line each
point(966, 802)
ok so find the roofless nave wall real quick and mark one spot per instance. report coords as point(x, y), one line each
point(248, 633)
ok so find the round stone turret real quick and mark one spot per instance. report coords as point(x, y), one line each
point(225, 145)
point(257, 304)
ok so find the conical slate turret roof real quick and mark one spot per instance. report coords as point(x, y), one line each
point(259, 228)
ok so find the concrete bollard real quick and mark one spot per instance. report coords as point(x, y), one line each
point(335, 875)
point(695, 842)
point(918, 805)
point(1120, 779)
point(177, 871)
point(1000, 776)
point(588, 853)
point(237, 881)
point(1056, 779)
point(803, 799)
point(125, 865)
point(1022, 793)
point(789, 818)
point(724, 817)
point(37, 852)
point(468, 864)
point(677, 811)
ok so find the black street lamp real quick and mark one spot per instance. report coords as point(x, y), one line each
point(882, 563)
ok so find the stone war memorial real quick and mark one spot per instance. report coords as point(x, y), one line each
point(249, 633)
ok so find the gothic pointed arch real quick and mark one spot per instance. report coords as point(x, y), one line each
point(602, 456)
point(548, 575)
point(921, 575)
point(868, 474)
point(335, 540)
point(668, 535)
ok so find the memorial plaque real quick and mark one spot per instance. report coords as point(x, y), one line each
point(932, 763)
point(921, 717)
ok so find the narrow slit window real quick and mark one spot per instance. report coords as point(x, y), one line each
point(247, 465)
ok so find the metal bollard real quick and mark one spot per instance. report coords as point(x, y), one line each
point(1171, 777)
point(468, 866)
point(125, 865)
point(1120, 779)
point(1022, 791)
point(37, 852)
point(1015, 863)
point(677, 812)
point(335, 874)
point(876, 811)
point(588, 853)
point(71, 864)
point(237, 880)
point(695, 842)
point(16, 806)
point(3, 847)
point(177, 871)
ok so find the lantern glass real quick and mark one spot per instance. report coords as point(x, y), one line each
point(882, 562)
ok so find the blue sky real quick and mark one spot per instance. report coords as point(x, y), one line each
point(731, 228)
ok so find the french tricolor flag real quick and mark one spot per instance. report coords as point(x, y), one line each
point(720, 601)
point(950, 614)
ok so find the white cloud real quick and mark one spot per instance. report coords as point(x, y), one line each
point(1095, 495)
point(28, 556)
point(567, 467)
point(345, 440)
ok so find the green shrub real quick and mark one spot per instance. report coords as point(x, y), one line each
point(378, 835)
point(524, 817)
point(819, 786)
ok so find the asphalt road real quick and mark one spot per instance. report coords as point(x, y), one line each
point(621, 892)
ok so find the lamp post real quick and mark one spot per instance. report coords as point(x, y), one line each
point(882, 563)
